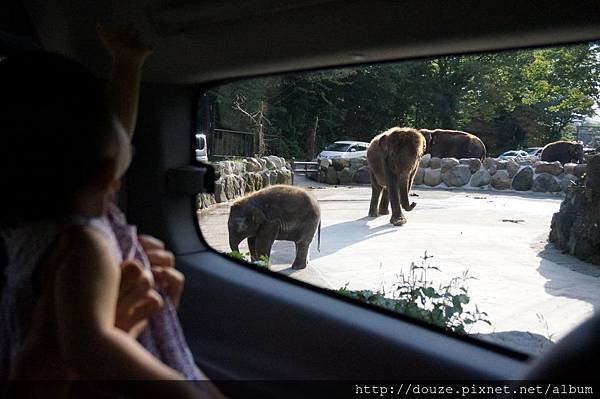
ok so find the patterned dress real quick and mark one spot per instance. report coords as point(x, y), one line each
point(27, 244)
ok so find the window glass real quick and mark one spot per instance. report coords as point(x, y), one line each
point(492, 241)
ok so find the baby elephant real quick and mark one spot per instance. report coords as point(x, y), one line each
point(278, 212)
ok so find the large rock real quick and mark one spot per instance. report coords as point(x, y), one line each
point(567, 181)
point(501, 180)
point(220, 191)
point(357, 163)
point(473, 163)
point(433, 177)
point(435, 163)
point(340, 163)
point(449, 163)
point(324, 163)
point(362, 176)
point(266, 177)
point(501, 164)
point(593, 173)
point(273, 177)
point(545, 182)
point(569, 168)
point(249, 181)
point(252, 165)
point(458, 176)
point(523, 180)
point(284, 176)
point(480, 178)
point(490, 165)
point(424, 162)
point(274, 162)
point(512, 167)
point(332, 177)
point(419, 176)
point(345, 176)
point(553, 168)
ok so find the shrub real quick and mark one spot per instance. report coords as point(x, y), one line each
point(415, 296)
point(263, 261)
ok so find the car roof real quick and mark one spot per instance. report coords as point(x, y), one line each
point(214, 40)
point(350, 142)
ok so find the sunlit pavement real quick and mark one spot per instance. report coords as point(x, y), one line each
point(519, 280)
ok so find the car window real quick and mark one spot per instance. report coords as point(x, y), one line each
point(339, 147)
point(480, 245)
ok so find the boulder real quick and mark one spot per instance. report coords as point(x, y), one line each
point(501, 164)
point(362, 176)
point(331, 177)
point(340, 163)
point(512, 167)
point(424, 162)
point(324, 163)
point(419, 176)
point(473, 163)
point(266, 177)
point(435, 163)
point(345, 176)
point(220, 191)
point(249, 180)
point(270, 163)
point(500, 180)
point(433, 177)
point(480, 178)
point(545, 182)
point(569, 168)
point(567, 181)
point(523, 180)
point(553, 168)
point(593, 173)
point(490, 165)
point(458, 176)
point(262, 162)
point(449, 163)
point(357, 163)
point(252, 165)
point(273, 177)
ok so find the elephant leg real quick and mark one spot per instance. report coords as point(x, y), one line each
point(375, 192)
point(384, 202)
point(397, 218)
point(252, 247)
point(301, 255)
point(265, 237)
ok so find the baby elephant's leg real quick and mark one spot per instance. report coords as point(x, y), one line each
point(301, 255)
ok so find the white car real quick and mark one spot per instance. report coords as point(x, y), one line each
point(534, 151)
point(344, 149)
point(513, 154)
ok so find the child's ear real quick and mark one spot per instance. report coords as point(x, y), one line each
point(106, 177)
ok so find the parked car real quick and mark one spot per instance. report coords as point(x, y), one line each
point(534, 151)
point(201, 148)
point(344, 149)
point(513, 154)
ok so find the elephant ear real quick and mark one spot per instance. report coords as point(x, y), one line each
point(258, 217)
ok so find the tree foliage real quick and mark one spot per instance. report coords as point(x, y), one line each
point(509, 99)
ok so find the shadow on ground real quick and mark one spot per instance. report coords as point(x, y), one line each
point(563, 271)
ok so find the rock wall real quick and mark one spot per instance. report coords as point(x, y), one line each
point(574, 229)
point(523, 175)
point(236, 178)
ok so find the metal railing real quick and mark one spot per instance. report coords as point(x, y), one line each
point(225, 142)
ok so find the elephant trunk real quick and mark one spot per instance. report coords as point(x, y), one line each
point(404, 198)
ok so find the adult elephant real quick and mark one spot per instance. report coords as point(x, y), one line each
point(393, 158)
point(278, 212)
point(563, 151)
point(453, 144)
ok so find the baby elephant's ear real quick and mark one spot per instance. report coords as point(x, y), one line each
point(258, 217)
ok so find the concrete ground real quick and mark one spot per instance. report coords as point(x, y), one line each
point(528, 288)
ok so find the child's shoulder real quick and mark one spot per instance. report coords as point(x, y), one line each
point(83, 241)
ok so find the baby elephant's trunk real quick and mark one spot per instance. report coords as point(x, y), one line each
point(404, 198)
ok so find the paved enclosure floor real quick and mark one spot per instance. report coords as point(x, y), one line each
point(528, 288)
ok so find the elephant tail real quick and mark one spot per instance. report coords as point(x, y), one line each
point(319, 238)
point(404, 197)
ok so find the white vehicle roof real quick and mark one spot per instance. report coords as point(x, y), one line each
point(350, 142)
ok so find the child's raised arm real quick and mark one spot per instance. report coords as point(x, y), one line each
point(86, 288)
point(128, 53)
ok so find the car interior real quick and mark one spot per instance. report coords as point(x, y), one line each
point(243, 323)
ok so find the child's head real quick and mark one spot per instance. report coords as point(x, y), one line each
point(58, 137)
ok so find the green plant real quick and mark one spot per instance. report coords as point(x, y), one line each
point(263, 261)
point(415, 296)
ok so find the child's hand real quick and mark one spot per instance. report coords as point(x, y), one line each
point(137, 301)
point(124, 43)
point(163, 267)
